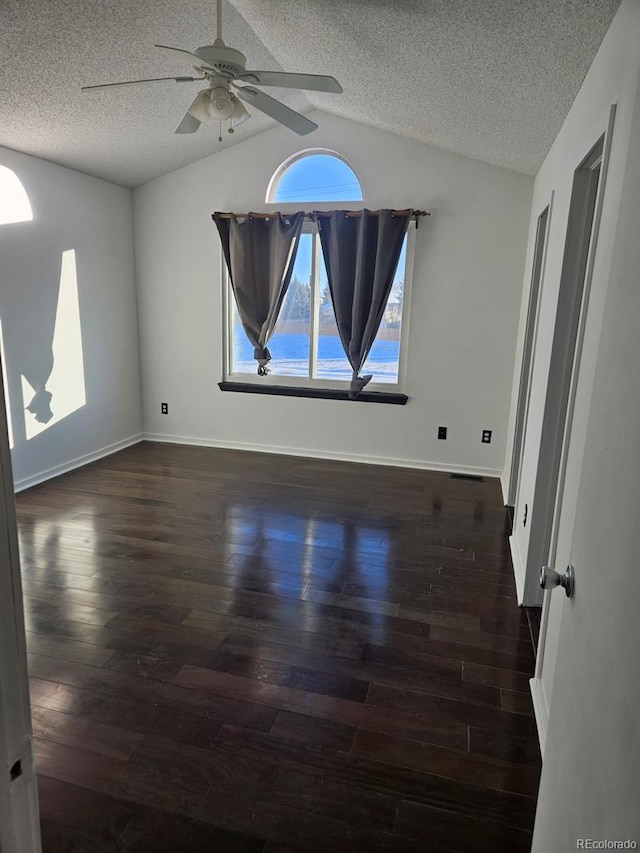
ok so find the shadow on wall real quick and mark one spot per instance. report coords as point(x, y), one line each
point(40, 330)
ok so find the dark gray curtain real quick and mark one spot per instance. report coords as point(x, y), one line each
point(260, 254)
point(361, 254)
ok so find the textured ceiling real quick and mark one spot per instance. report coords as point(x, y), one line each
point(492, 79)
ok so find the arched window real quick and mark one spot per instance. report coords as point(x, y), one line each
point(314, 175)
point(305, 345)
point(14, 201)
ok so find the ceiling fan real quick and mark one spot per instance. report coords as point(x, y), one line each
point(224, 68)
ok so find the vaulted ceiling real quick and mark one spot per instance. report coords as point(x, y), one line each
point(491, 79)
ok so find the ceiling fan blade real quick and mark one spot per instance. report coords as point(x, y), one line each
point(146, 80)
point(276, 109)
point(311, 82)
point(186, 56)
point(189, 124)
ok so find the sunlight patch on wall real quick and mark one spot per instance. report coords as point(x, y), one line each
point(14, 201)
point(6, 387)
point(66, 385)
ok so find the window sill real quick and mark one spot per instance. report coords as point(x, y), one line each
point(390, 397)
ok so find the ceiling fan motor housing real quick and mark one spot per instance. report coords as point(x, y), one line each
point(226, 60)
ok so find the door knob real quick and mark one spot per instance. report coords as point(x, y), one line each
point(550, 579)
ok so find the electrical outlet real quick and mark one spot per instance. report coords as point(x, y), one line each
point(164, 408)
point(442, 433)
point(486, 436)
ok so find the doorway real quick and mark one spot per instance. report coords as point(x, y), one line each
point(565, 356)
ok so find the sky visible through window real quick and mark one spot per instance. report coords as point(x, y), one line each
point(318, 177)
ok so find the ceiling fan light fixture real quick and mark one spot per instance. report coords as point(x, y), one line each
point(220, 103)
point(240, 114)
point(200, 108)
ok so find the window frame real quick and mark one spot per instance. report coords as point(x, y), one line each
point(310, 382)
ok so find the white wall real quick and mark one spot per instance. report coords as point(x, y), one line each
point(465, 302)
point(96, 345)
point(589, 785)
point(612, 78)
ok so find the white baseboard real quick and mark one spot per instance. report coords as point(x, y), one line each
point(78, 462)
point(324, 454)
point(518, 568)
point(541, 710)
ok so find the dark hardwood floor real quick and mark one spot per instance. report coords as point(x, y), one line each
point(245, 652)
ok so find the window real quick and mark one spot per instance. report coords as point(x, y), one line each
point(14, 201)
point(305, 347)
point(14, 208)
point(318, 175)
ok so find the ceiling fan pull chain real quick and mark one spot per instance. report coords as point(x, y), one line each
point(220, 131)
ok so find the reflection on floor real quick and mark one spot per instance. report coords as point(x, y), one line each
point(244, 652)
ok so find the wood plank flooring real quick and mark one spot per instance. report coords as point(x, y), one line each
point(246, 652)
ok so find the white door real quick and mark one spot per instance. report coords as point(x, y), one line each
point(19, 825)
point(590, 784)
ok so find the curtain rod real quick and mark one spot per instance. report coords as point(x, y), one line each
point(415, 214)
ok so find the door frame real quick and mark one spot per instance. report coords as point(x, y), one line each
point(573, 298)
point(19, 816)
point(528, 349)
point(540, 699)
